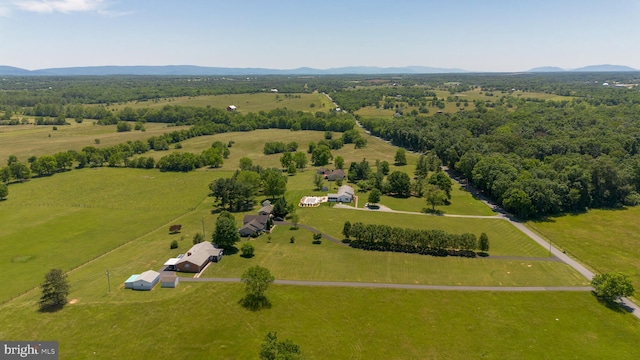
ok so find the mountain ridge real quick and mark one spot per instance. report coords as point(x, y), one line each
point(194, 70)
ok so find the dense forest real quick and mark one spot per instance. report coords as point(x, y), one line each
point(533, 156)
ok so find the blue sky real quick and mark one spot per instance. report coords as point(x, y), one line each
point(487, 35)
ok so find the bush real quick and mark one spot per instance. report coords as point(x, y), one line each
point(292, 240)
point(247, 250)
point(174, 244)
point(317, 238)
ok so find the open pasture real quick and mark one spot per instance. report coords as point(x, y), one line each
point(245, 103)
point(65, 220)
point(332, 323)
point(24, 141)
point(605, 240)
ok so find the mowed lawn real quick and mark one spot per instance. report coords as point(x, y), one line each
point(328, 261)
point(604, 240)
point(206, 321)
point(69, 218)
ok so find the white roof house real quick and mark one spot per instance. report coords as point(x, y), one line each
point(145, 281)
point(345, 194)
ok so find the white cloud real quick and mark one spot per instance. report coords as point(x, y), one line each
point(63, 6)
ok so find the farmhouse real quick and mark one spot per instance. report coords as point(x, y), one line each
point(253, 224)
point(198, 257)
point(145, 281)
point(345, 194)
point(231, 108)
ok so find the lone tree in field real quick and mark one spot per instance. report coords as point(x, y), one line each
point(55, 290)
point(272, 349)
point(318, 181)
point(401, 157)
point(247, 250)
point(611, 287)
point(256, 280)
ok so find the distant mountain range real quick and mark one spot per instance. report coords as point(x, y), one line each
point(591, 68)
point(219, 71)
point(191, 70)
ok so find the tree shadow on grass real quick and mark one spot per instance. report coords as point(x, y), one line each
point(231, 251)
point(255, 302)
point(50, 308)
point(433, 212)
point(482, 254)
point(612, 304)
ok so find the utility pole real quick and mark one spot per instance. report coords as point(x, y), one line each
point(108, 280)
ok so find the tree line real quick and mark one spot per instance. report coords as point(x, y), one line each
point(426, 242)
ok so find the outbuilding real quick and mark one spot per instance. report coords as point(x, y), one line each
point(231, 108)
point(146, 281)
point(169, 280)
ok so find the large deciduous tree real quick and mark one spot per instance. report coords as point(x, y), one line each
point(401, 157)
point(612, 286)
point(55, 290)
point(374, 196)
point(256, 280)
point(321, 155)
point(273, 183)
point(226, 234)
point(399, 183)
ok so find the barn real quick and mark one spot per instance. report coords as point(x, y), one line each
point(145, 281)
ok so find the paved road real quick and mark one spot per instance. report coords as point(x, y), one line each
point(401, 286)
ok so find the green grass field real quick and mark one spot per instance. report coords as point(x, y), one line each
point(93, 220)
point(24, 141)
point(65, 220)
point(245, 103)
point(328, 261)
point(605, 240)
point(205, 321)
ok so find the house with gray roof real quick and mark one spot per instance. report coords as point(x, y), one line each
point(198, 257)
point(253, 224)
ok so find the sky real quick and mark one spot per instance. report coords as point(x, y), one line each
point(474, 35)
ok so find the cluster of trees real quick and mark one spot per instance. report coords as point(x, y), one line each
point(541, 158)
point(277, 147)
point(293, 161)
point(238, 191)
point(426, 242)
